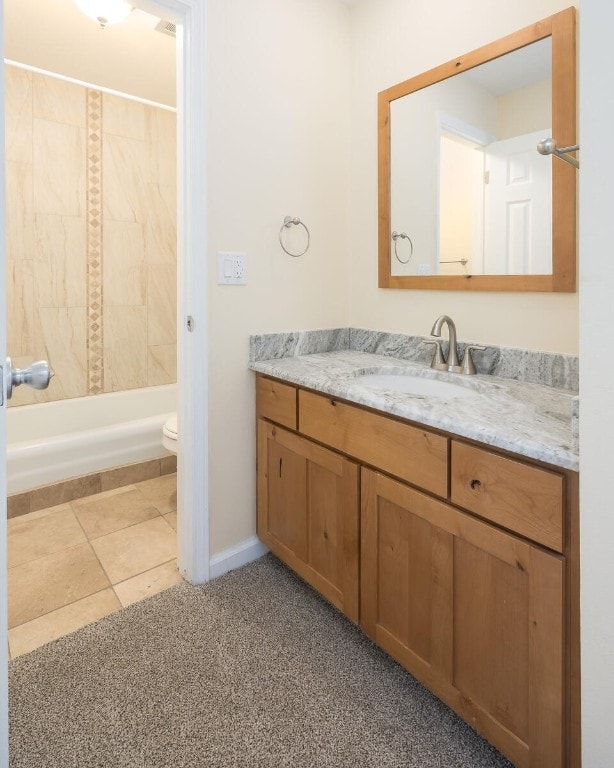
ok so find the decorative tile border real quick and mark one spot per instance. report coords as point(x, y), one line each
point(95, 346)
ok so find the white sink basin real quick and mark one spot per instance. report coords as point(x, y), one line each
point(415, 385)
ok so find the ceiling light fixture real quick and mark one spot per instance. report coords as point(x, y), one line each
point(105, 11)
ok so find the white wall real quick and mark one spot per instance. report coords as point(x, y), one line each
point(392, 41)
point(278, 144)
point(525, 110)
point(596, 374)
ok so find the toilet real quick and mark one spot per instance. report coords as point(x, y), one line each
point(169, 434)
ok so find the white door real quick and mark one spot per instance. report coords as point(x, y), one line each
point(37, 375)
point(518, 211)
point(4, 699)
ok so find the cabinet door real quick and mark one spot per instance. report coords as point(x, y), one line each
point(308, 512)
point(475, 613)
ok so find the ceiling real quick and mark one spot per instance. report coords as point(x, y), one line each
point(515, 70)
point(131, 57)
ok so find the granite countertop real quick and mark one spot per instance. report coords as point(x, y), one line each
point(526, 418)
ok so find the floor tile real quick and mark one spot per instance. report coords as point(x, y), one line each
point(150, 583)
point(171, 519)
point(162, 492)
point(27, 637)
point(134, 550)
point(33, 539)
point(36, 515)
point(115, 511)
point(53, 581)
point(100, 496)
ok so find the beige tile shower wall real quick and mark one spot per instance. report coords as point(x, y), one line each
point(139, 244)
point(91, 236)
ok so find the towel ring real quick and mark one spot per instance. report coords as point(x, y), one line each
point(403, 236)
point(288, 222)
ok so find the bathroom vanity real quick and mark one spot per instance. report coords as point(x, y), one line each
point(436, 510)
point(445, 526)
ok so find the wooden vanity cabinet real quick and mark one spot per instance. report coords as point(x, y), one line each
point(513, 494)
point(473, 612)
point(276, 401)
point(308, 512)
point(468, 559)
point(416, 455)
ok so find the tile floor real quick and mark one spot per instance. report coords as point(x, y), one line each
point(72, 564)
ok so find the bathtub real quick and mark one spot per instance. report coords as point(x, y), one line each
point(50, 442)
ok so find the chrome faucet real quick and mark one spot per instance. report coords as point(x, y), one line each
point(452, 364)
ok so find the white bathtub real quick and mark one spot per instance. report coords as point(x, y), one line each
point(50, 442)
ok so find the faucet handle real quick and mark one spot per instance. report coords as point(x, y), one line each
point(468, 366)
point(438, 363)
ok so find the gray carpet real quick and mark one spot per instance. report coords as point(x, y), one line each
point(253, 670)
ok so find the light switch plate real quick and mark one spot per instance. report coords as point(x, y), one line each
point(231, 268)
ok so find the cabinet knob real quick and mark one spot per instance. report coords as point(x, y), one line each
point(475, 484)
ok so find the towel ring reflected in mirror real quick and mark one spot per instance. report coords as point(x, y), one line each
point(402, 236)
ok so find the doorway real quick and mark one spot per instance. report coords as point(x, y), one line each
point(193, 544)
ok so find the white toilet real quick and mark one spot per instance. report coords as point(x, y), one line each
point(169, 434)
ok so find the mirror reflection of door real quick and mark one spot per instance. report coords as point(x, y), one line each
point(518, 214)
point(494, 212)
point(466, 181)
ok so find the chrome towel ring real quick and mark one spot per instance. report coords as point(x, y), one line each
point(290, 221)
point(402, 236)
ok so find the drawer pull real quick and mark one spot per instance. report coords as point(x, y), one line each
point(475, 484)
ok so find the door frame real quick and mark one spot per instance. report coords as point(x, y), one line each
point(193, 553)
point(448, 125)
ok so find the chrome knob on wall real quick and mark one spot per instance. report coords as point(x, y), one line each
point(38, 375)
point(549, 147)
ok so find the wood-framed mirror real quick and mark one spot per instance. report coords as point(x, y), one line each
point(466, 202)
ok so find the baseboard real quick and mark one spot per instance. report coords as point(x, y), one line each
point(234, 557)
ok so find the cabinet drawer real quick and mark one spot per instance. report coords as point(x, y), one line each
point(412, 454)
point(520, 497)
point(276, 401)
